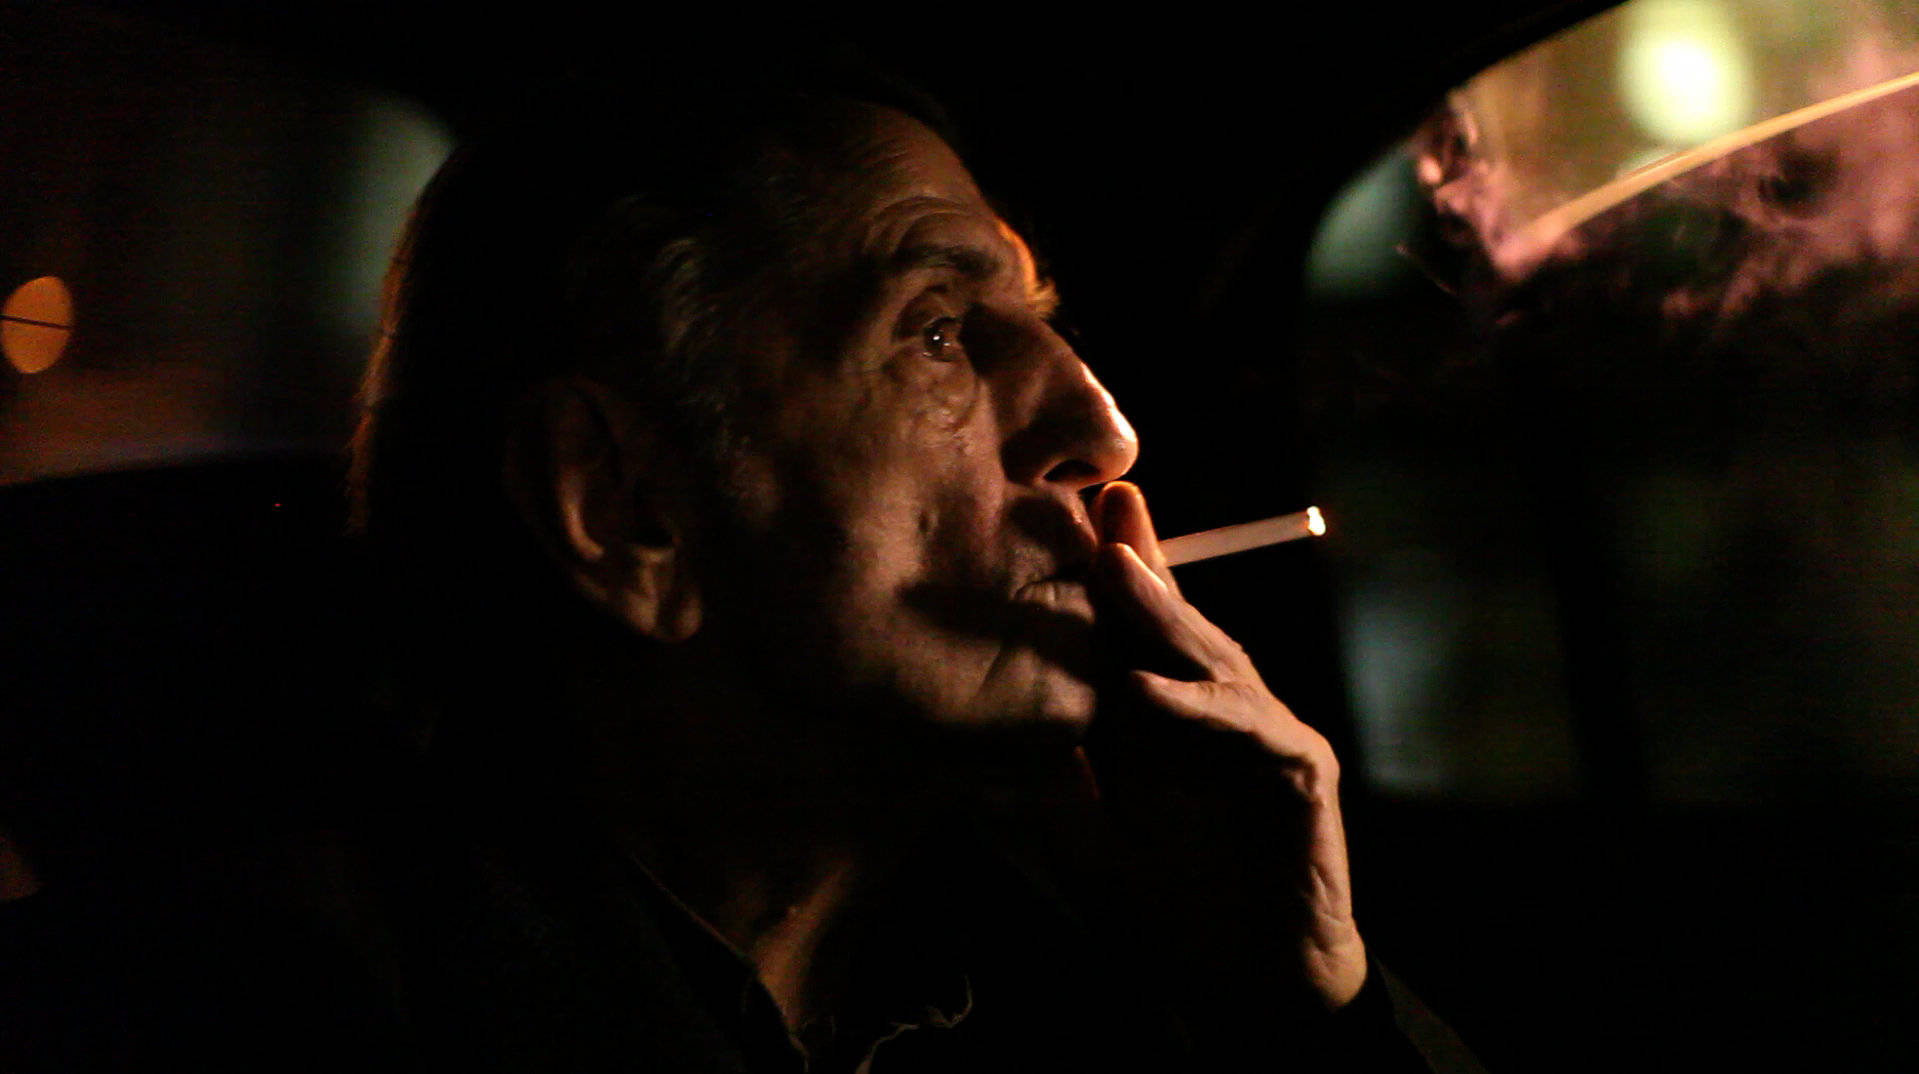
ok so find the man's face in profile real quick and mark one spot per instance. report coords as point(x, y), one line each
point(911, 533)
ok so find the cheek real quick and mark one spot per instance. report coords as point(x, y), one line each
point(930, 458)
point(960, 514)
point(922, 396)
point(952, 396)
point(933, 520)
point(888, 480)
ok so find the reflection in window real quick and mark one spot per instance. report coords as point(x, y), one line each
point(1630, 423)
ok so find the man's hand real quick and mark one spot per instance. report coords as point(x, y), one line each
point(1230, 803)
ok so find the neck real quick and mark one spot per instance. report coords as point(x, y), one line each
point(763, 823)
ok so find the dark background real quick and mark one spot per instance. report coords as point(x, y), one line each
point(1564, 892)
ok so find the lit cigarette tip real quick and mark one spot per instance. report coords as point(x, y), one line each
point(1247, 535)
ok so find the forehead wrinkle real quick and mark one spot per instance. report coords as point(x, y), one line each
point(971, 261)
point(890, 227)
point(907, 186)
point(977, 261)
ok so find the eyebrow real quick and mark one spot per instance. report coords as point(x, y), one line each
point(973, 262)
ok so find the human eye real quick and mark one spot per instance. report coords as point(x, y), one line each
point(940, 339)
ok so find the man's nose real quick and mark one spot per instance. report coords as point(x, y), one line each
point(1066, 428)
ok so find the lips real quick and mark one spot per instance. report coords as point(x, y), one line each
point(1059, 558)
point(1062, 593)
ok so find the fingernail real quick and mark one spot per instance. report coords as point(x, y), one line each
point(1109, 504)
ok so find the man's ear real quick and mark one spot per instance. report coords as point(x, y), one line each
point(597, 485)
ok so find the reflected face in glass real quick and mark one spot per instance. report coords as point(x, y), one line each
point(911, 538)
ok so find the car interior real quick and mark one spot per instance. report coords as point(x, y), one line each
point(1589, 327)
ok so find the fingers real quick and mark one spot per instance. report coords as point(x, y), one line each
point(1209, 702)
point(1156, 609)
point(1220, 686)
point(1120, 516)
point(1248, 709)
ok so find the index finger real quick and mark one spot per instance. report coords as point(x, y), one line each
point(1160, 613)
point(1120, 516)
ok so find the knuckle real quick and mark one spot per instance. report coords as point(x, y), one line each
point(1243, 694)
point(1323, 763)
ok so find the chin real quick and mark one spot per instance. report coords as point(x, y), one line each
point(1047, 703)
point(1066, 704)
point(1045, 674)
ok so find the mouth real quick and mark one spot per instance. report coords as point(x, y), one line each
point(1062, 593)
point(1053, 619)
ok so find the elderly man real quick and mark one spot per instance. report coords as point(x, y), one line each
point(805, 689)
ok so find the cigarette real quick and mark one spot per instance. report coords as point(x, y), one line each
point(1229, 539)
